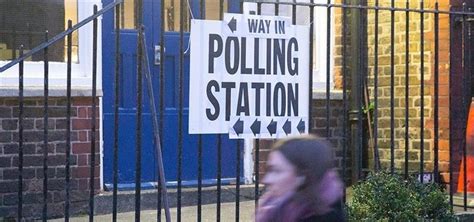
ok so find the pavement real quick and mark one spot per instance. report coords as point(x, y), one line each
point(126, 205)
point(209, 212)
point(189, 197)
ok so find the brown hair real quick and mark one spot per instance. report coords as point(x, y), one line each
point(312, 157)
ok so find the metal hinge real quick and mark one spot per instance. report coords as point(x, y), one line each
point(157, 58)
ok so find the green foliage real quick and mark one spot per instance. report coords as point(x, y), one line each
point(385, 197)
point(369, 108)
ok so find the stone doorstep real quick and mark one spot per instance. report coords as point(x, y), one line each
point(458, 199)
point(189, 196)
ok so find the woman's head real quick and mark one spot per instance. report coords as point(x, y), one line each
point(298, 165)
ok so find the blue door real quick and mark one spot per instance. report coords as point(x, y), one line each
point(127, 106)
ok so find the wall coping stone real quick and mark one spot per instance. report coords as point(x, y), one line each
point(334, 94)
point(53, 92)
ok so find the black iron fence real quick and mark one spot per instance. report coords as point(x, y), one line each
point(386, 68)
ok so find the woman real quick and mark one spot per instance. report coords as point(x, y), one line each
point(301, 183)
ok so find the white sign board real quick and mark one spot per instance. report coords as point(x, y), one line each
point(249, 77)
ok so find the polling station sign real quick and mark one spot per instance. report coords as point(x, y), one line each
point(249, 77)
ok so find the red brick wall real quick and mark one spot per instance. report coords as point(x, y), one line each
point(81, 116)
point(414, 81)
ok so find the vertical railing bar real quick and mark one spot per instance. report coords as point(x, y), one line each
point(311, 58)
point(45, 130)
point(68, 121)
point(238, 159)
point(422, 91)
point(221, 9)
point(392, 87)
point(237, 183)
point(360, 94)
point(94, 107)
point(407, 84)
point(219, 145)
point(257, 171)
point(311, 63)
point(219, 176)
point(180, 104)
point(118, 18)
point(310, 72)
point(162, 99)
point(14, 43)
point(199, 207)
point(170, 13)
point(199, 204)
point(376, 88)
point(257, 144)
point(138, 145)
point(451, 168)
point(122, 12)
point(468, 90)
point(466, 60)
point(328, 67)
point(293, 13)
point(138, 163)
point(436, 92)
point(277, 7)
point(20, 138)
point(344, 99)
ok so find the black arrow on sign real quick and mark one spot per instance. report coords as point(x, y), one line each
point(255, 127)
point(300, 126)
point(239, 127)
point(272, 127)
point(287, 127)
point(232, 24)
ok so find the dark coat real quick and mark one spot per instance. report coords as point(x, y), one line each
point(336, 215)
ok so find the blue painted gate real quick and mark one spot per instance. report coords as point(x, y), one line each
point(127, 107)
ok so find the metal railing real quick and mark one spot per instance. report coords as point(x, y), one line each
point(357, 95)
point(67, 34)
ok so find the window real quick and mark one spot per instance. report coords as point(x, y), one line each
point(212, 9)
point(127, 10)
point(172, 16)
point(319, 37)
point(24, 22)
point(172, 13)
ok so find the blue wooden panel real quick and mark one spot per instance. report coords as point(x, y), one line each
point(127, 108)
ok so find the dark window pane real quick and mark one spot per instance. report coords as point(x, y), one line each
point(23, 22)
